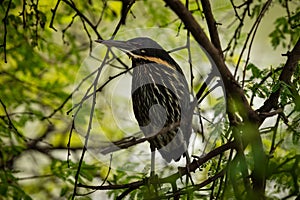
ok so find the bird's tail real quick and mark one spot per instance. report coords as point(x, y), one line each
point(171, 145)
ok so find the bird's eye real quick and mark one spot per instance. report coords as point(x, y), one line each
point(143, 51)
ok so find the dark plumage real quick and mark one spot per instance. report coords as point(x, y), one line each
point(160, 96)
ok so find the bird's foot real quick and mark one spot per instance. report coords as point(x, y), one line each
point(153, 179)
point(185, 171)
point(189, 176)
point(153, 183)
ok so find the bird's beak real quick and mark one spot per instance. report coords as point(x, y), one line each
point(125, 46)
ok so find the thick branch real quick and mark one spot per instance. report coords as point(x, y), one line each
point(285, 76)
point(212, 25)
point(233, 90)
point(235, 95)
point(5, 22)
point(193, 166)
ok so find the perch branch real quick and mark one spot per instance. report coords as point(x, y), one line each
point(285, 76)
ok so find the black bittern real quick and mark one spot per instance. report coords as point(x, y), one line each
point(160, 97)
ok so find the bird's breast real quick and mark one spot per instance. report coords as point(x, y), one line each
point(156, 84)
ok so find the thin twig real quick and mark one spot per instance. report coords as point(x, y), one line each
point(73, 6)
point(11, 124)
point(102, 12)
point(95, 83)
point(53, 15)
point(5, 22)
point(88, 34)
point(285, 76)
point(67, 27)
point(254, 30)
point(264, 80)
point(99, 89)
point(254, 26)
point(69, 142)
point(109, 169)
point(171, 178)
point(23, 13)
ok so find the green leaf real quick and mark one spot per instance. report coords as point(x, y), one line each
point(3, 188)
point(276, 87)
point(64, 191)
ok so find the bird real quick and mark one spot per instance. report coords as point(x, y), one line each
point(160, 97)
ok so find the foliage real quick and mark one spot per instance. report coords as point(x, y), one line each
point(56, 86)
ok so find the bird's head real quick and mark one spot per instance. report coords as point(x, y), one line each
point(137, 48)
point(143, 49)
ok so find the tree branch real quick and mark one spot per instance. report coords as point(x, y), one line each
point(236, 99)
point(53, 15)
point(253, 30)
point(5, 22)
point(10, 123)
point(212, 25)
point(233, 90)
point(84, 18)
point(285, 76)
point(192, 167)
